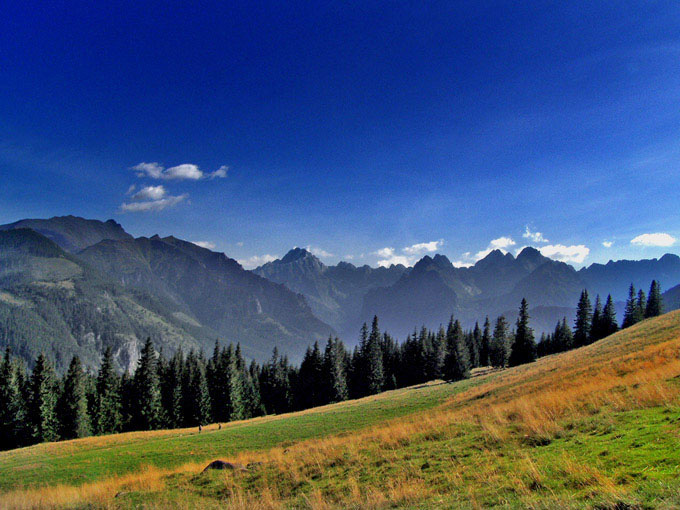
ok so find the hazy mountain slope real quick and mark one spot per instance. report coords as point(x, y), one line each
point(671, 299)
point(51, 301)
point(71, 232)
point(335, 293)
point(214, 290)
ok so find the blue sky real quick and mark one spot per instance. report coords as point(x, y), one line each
point(379, 131)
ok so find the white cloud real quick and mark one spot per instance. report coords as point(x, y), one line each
point(153, 170)
point(607, 244)
point(502, 244)
point(656, 239)
point(240, 243)
point(319, 252)
point(420, 248)
point(132, 188)
point(536, 237)
point(349, 257)
point(461, 263)
point(209, 245)
point(256, 260)
point(389, 257)
point(149, 193)
point(152, 205)
point(185, 171)
point(575, 253)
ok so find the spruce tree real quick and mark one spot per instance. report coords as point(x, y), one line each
point(583, 321)
point(640, 305)
point(146, 406)
point(170, 377)
point(12, 407)
point(596, 328)
point(456, 362)
point(390, 351)
point(630, 315)
point(523, 348)
point(654, 303)
point(498, 348)
point(73, 417)
point(43, 405)
point(237, 402)
point(372, 355)
point(609, 322)
point(484, 346)
point(108, 418)
point(334, 371)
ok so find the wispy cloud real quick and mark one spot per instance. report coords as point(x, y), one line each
point(607, 244)
point(319, 252)
point(536, 237)
point(657, 239)
point(208, 245)
point(149, 193)
point(388, 256)
point(151, 198)
point(574, 253)
point(421, 248)
point(407, 256)
point(256, 260)
point(501, 243)
point(185, 171)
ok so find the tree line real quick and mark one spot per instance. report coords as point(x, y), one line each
point(191, 390)
point(593, 323)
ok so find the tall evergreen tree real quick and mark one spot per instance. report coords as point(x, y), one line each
point(43, 405)
point(12, 406)
point(372, 356)
point(170, 377)
point(654, 303)
point(631, 314)
point(484, 345)
point(334, 371)
point(73, 417)
point(390, 352)
point(147, 412)
point(609, 322)
point(641, 305)
point(596, 327)
point(498, 348)
point(435, 355)
point(195, 396)
point(523, 349)
point(108, 418)
point(583, 321)
point(456, 362)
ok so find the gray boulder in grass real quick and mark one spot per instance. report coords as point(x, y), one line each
point(223, 464)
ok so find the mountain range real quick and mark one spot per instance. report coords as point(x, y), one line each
point(120, 290)
point(70, 285)
point(433, 289)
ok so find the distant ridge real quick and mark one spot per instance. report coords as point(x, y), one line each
point(72, 233)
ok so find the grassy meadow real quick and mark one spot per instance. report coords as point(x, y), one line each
point(597, 427)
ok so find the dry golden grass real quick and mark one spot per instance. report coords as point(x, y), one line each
point(630, 370)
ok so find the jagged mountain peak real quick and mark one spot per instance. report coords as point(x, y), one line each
point(296, 254)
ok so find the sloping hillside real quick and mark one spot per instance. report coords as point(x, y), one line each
point(51, 301)
point(214, 290)
point(596, 427)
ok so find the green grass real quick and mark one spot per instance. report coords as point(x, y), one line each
point(79, 462)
